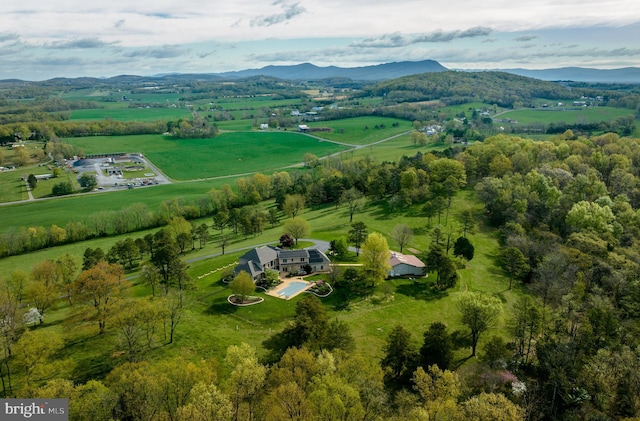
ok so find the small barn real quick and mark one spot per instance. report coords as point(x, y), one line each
point(405, 265)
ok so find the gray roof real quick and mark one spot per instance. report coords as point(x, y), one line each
point(251, 267)
point(261, 255)
point(292, 254)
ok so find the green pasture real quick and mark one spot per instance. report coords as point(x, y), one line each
point(393, 149)
point(79, 207)
point(90, 94)
point(361, 130)
point(131, 114)
point(253, 103)
point(556, 115)
point(224, 155)
point(235, 125)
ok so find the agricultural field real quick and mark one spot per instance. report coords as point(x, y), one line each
point(131, 114)
point(61, 210)
point(187, 159)
point(555, 115)
point(362, 130)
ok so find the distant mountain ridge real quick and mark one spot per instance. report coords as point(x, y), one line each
point(582, 74)
point(373, 73)
point(312, 72)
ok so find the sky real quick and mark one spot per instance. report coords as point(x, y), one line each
point(40, 39)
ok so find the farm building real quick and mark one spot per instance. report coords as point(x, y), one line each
point(405, 264)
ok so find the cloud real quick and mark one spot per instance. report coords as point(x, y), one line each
point(396, 39)
point(525, 38)
point(7, 37)
point(166, 51)
point(80, 43)
point(289, 12)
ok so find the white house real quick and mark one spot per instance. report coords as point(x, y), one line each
point(405, 264)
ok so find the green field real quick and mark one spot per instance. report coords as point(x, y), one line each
point(229, 153)
point(131, 114)
point(61, 210)
point(253, 103)
point(581, 115)
point(361, 130)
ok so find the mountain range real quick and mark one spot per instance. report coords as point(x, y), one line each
point(380, 72)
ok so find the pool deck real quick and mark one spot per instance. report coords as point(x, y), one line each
point(275, 292)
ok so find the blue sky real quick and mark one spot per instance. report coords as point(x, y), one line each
point(70, 38)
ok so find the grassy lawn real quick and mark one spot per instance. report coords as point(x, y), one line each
point(211, 324)
point(12, 188)
point(229, 153)
point(361, 130)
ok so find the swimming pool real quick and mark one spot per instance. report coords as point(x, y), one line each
point(292, 289)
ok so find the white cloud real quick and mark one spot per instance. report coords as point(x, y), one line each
point(326, 32)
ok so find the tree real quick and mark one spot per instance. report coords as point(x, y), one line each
point(88, 181)
point(32, 181)
point(479, 312)
point(353, 199)
point(438, 390)
point(150, 275)
point(463, 248)
point(293, 205)
point(222, 241)
point(357, 235)
point(220, 220)
point(202, 231)
point(246, 381)
point(34, 351)
point(400, 358)
point(62, 189)
point(339, 246)
point(402, 235)
point(206, 403)
point(67, 269)
point(437, 261)
point(375, 258)
point(489, 406)
point(91, 257)
point(514, 262)
point(242, 286)
point(286, 241)
point(298, 228)
point(437, 347)
point(101, 287)
point(467, 221)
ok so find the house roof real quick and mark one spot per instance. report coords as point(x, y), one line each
point(252, 268)
point(261, 255)
point(316, 256)
point(292, 254)
point(407, 259)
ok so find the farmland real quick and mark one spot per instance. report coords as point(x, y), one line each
point(188, 159)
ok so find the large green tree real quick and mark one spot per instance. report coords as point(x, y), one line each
point(375, 259)
point(479, 312)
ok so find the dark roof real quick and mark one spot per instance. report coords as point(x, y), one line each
point(261, 255)
point(316, 256)
point(251, 267)
point(292, 254)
